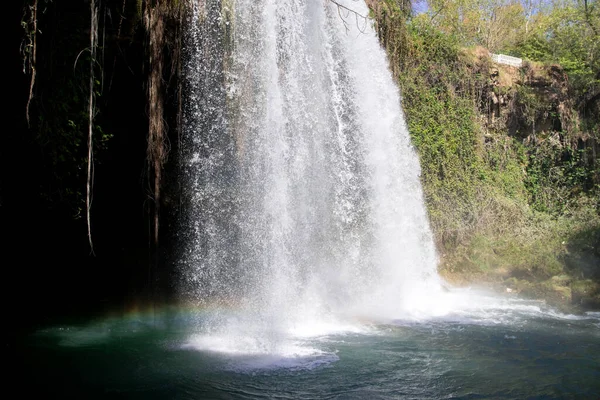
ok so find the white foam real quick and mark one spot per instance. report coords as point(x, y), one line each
point(249, 353)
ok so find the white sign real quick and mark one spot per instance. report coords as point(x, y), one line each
point(508, 60)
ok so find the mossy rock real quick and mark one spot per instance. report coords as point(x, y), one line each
point(517, 285)
point(552, 291)
point(563, 280)
point(586, 293)
point(557, 290)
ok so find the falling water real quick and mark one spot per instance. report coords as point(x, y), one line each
point(302, 201)
point(305, 248)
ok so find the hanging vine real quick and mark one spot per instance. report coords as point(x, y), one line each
point(157, 15)
point(29, 50)
point(155, 24)
point(90, 161)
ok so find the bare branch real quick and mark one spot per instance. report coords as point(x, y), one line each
point(437, 13)
point(341, 6)
point(348, 11)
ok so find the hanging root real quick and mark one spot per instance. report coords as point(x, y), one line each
point(93, 46)
point(31, 54)
point(155, 24)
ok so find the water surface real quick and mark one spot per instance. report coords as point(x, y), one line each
point(493, 348)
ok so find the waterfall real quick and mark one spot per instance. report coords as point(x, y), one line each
point(301, 192)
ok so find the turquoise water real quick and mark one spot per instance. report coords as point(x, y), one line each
point(510, 349)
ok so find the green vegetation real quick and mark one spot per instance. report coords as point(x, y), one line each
point(57, 110)
point(509, 155)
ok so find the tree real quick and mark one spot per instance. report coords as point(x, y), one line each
point(494, 24)
point(568, 33)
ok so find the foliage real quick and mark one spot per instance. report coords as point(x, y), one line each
point(567, 33)
point(390, 18)
point(59, 112)
point(441, 118)
point(490, 23)
point(508, 195)
point(556, 176)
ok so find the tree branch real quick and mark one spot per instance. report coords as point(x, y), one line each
point(349, 11)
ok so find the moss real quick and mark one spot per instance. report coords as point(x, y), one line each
point(586, 293)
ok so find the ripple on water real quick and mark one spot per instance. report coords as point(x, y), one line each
point(251, 354)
